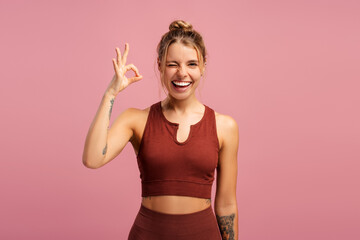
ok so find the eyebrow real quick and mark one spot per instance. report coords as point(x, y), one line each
point(196, 61)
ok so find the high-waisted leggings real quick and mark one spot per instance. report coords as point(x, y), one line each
point(153, 225)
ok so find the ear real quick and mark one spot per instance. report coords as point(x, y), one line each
point(158, 63)
point(202, 70)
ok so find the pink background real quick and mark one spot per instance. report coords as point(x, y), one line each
point(287, 71)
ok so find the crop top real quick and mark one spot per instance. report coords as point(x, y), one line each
point(169, 167)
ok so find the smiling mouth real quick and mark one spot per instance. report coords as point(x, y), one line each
point(181, 83)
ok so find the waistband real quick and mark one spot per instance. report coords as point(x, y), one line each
point(194, 217)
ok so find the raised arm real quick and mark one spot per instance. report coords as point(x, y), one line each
point(225, 200)
point(102, 144)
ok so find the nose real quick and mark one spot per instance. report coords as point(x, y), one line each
point(181, 71)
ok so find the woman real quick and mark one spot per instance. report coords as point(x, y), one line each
point(179, 142)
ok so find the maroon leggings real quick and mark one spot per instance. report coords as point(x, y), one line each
point(152, 225)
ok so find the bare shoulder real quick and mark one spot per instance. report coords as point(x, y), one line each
point(135, 113)
point(226, 127)
point(129, 126)
point(135, 117)
point(225, 122)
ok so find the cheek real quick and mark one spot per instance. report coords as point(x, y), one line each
point(166, 77)
point(196, 74)
point(168, 73)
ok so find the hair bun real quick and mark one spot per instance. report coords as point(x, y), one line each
point(180, 25)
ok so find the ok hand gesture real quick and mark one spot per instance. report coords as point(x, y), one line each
point(119, 82)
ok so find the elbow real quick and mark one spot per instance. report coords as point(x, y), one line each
point(225, 209)
point(91, 164)
point(228, 202)
point(231, 205)
point(88, 165)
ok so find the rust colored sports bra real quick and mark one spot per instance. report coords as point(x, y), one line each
point(169, 167)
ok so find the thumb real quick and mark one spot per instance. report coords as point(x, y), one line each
point(135, 79)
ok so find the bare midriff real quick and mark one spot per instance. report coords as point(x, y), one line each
point(175, 204)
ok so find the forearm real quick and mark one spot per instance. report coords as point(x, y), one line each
point(227, 218)
point(96, 140)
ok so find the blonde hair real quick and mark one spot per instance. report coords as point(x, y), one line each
point(180, 32)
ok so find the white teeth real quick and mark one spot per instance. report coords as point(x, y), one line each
point(182, 84)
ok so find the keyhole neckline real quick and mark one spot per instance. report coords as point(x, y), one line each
point(177, 124)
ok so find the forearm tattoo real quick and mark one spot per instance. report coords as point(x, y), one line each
point(146, 198)
point(226, 226)
point(208, 201)
point(112, 103)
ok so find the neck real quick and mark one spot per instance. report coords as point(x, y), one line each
point(183, 105)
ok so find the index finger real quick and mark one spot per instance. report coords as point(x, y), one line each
point(118, 58)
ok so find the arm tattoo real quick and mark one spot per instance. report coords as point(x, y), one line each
point(105, 149)
point(146, 198)
point(112, 102)
point(208, 201)
point(226, 226)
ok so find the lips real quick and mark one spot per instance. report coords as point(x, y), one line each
point(181, 84)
